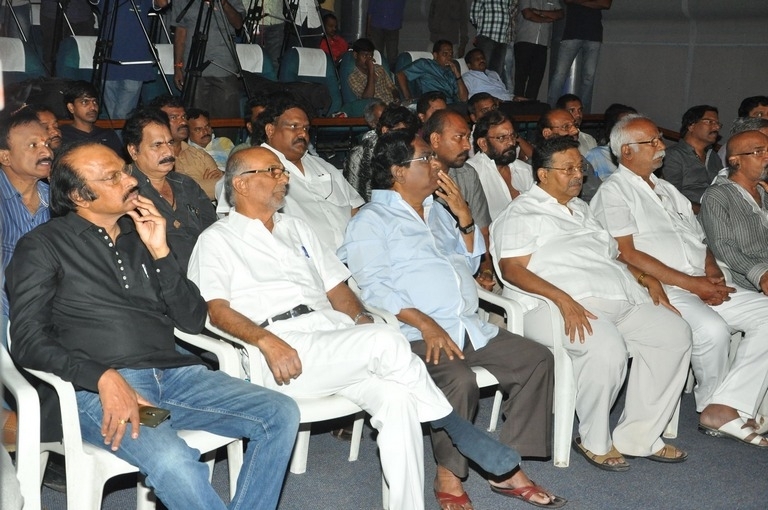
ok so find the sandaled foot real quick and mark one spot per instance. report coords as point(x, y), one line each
point(668, 454)
point(449, 491)
point(737, 430)
point(532, 494)
point(611, 461)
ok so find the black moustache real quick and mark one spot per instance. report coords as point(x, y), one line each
point(169, 159)
point(128, 193)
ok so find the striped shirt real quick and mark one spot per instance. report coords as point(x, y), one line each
point(17, 220)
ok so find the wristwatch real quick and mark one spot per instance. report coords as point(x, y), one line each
point(468, 229)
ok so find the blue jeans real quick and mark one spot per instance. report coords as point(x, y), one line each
point(121, 97)
point(201, 399)
point(569, 49)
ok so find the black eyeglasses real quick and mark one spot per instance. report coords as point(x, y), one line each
point(653, 142)
point(276, 172)
point(504, 138)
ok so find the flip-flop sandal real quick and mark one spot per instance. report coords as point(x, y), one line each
point(444, 499)
point(599, 461)
point(526, 493)
point(667, 454)
point(733, 430)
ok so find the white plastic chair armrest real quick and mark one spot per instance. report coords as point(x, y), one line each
point(229, 360)
point(513, 309)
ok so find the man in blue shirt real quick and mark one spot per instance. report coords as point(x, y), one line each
point(385, 19)
point(412, 258)
point(440, 74)
point(25, 159)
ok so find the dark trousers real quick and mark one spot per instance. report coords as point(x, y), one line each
point(525, 370)
point(530, 63)
point(386, 41)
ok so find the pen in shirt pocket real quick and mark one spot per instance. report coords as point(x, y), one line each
point(144, 268)
point(304, 250)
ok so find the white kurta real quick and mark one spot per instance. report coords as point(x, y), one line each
point(662, 224)
point(495, 189)
point(321, 197)
point(262, 274)
point(570, 250)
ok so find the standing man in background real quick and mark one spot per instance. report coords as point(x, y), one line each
point(583, 34)
point(385, 19)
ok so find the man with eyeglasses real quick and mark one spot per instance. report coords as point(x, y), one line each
point(95, 296)
point(82, 103)
point(415, 259)
point(319, 193)
point(191, 161)
point(734, 209)
point(692, 164)
point(501, 174)
point(573, 105)
point(657, 232)
point(179, 199)
point(559, 122)
point(25, 162)
point(548, 242)
point(270, 281)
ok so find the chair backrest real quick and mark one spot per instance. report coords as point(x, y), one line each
point(28, 435)
point(19, 63)
point(311, 65)
point(252, 60)
point(406, 57)
point(74, 59)
point(463, 68)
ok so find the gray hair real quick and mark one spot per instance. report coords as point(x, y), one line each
point(620, 134)
point(742, 124)
point(235, 165)
point(368, 113)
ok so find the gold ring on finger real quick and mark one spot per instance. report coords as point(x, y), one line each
point(122, 422)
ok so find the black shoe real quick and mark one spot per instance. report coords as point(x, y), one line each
point(55, 477)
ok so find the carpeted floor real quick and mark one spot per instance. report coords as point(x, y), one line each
point(719, 475)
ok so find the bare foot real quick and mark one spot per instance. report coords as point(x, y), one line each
point(448, 483)
point(520, 479)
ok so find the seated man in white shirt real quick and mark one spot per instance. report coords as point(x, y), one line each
point(657, 232)
point(480, 79)
point(319, 193)
point(502, 175)
point(547, 242)
point(269, 281)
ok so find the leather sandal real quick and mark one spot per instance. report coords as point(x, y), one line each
point(9, 429)
point(601, 461)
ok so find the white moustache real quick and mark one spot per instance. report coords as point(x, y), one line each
point(659, 154)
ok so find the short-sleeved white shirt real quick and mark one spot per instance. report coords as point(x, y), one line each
point(495, 189)
point(320, 196)
point(568, 248)
point(660, 219)
point(263, 273)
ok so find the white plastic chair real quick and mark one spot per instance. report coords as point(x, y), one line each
point(311, 409)
point(28, 435)
point(544, 324)
point(89, 467)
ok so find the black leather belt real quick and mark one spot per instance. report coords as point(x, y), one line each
point(293, 312)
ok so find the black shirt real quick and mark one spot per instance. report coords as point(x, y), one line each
point(194, 212)
point(583, 23)
point(81, 304)
point(108, 137)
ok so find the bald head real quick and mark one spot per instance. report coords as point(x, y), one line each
point(747, 155)
point(255, 182)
